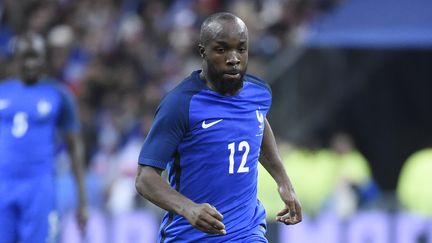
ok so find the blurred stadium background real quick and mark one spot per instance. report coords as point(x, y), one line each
point(352, 86)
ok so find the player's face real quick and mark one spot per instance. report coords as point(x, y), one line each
point(31, 65)
point(226, 58)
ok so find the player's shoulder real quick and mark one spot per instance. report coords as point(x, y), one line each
point(8, 82)
point(258, 81)
point(51, 82)
point(184, 91)
point(55, 84)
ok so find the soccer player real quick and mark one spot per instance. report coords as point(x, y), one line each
point(32, 108)
point(210, 132)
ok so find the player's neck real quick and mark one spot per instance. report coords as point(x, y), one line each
point(207, 82)
point(212, 86)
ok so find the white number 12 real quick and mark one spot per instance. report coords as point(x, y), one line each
point(243, 145)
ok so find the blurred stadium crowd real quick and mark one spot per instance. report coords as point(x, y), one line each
point(119, 57)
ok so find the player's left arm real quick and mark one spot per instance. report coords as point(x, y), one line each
point(76, 152)
point(272, 162)
point(68, 123)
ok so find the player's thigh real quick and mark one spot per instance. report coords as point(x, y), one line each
point(38, 215)
point(8, 214)
point(8, 223)
point(256, 235)
point(255, 239)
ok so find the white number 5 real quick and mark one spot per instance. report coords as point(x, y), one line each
point(243, 145)
point(20, 124)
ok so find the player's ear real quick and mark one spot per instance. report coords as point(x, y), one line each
point(201, 50)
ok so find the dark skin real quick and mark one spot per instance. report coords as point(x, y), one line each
point(31, 66)
point(31, 58)
point(204, 216)
point(225, 57)
point(272, 162)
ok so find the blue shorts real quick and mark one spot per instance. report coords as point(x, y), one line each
point(254, 235)
point(26, 209)
point(257, 235)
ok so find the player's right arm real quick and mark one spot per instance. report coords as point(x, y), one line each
point(151, 186)
point(170, 125)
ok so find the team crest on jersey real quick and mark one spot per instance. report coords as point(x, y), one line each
point(4, 104)
point(260, 118)
point(43, 107)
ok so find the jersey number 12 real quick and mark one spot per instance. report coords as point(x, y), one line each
point(243, 146)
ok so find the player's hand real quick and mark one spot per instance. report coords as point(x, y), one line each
point(291, 214)
point(206, 218)
point(82, 217)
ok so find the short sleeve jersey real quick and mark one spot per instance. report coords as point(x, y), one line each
point(210, 144)
point(29, 118)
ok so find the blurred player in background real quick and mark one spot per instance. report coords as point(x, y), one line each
point(32, 109)
point(209, 132)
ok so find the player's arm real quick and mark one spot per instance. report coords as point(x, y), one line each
point(270, 159)
point(68, 123)
point(169, 127)
point(151, 186)
point(76, 153)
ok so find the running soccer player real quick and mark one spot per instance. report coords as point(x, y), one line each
point(210, 132)
point(32, 108)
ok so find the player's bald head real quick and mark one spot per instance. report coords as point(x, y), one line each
point(220, 24)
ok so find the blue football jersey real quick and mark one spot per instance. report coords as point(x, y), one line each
point(29, 118)
point(210, 144)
